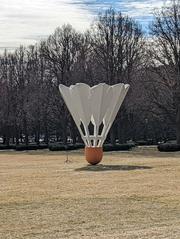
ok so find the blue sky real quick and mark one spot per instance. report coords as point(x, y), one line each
point(27, 21)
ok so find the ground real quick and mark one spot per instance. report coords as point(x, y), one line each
point(131, 195)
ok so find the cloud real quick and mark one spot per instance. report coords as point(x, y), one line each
point(27, 21)
point(135, 7)
point(142, 8)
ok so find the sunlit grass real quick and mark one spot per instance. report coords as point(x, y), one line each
point(131, 195)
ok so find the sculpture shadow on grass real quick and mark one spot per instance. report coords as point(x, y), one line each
point(101, 167)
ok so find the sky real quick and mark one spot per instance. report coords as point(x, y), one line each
point(25, 22)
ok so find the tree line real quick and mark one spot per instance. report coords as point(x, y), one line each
point(115, 49)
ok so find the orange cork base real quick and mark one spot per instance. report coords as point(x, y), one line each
point(93, 154)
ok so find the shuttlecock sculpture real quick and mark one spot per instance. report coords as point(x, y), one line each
point(94, 110)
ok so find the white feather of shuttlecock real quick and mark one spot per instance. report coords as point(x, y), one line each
point(94, 108)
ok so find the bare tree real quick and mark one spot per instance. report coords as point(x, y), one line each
point(112, 51)
point(117, 42)
point(166, 52)
point(118, 45)
point(62, 50)
point(8, 97)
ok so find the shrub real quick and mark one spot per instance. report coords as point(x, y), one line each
point(56, 147)
point(145, 142)
point(7, 147)
point(168, 147)
point(132, 144)
point(42, 146)
point(30, 147)
point(62, 147)
point(117, 147)
point(106, 147)
point(79, 146)
point(141, 142)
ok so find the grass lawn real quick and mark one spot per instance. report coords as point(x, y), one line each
point(131, 195)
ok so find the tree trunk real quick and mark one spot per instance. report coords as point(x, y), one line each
point(64, 133)
point(26, 139)
point(37, 133)
point(46, 138)
point(178, 124)
point(37, 136)
point(112, 135)
point(57, 137)
point(64, 123)
point(26, 131)
point(21, 138)
point(73, 131)
point(177, 103)
point(7, 135)
point(6, 140)
point(17, 134)
point(17, 140)
point(120, 132)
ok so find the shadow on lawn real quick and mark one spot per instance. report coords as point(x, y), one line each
point(101, 167)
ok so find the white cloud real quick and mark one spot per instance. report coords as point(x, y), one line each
point(26, 21)
point(143, 8)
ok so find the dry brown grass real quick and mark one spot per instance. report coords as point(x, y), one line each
point(132, 195)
